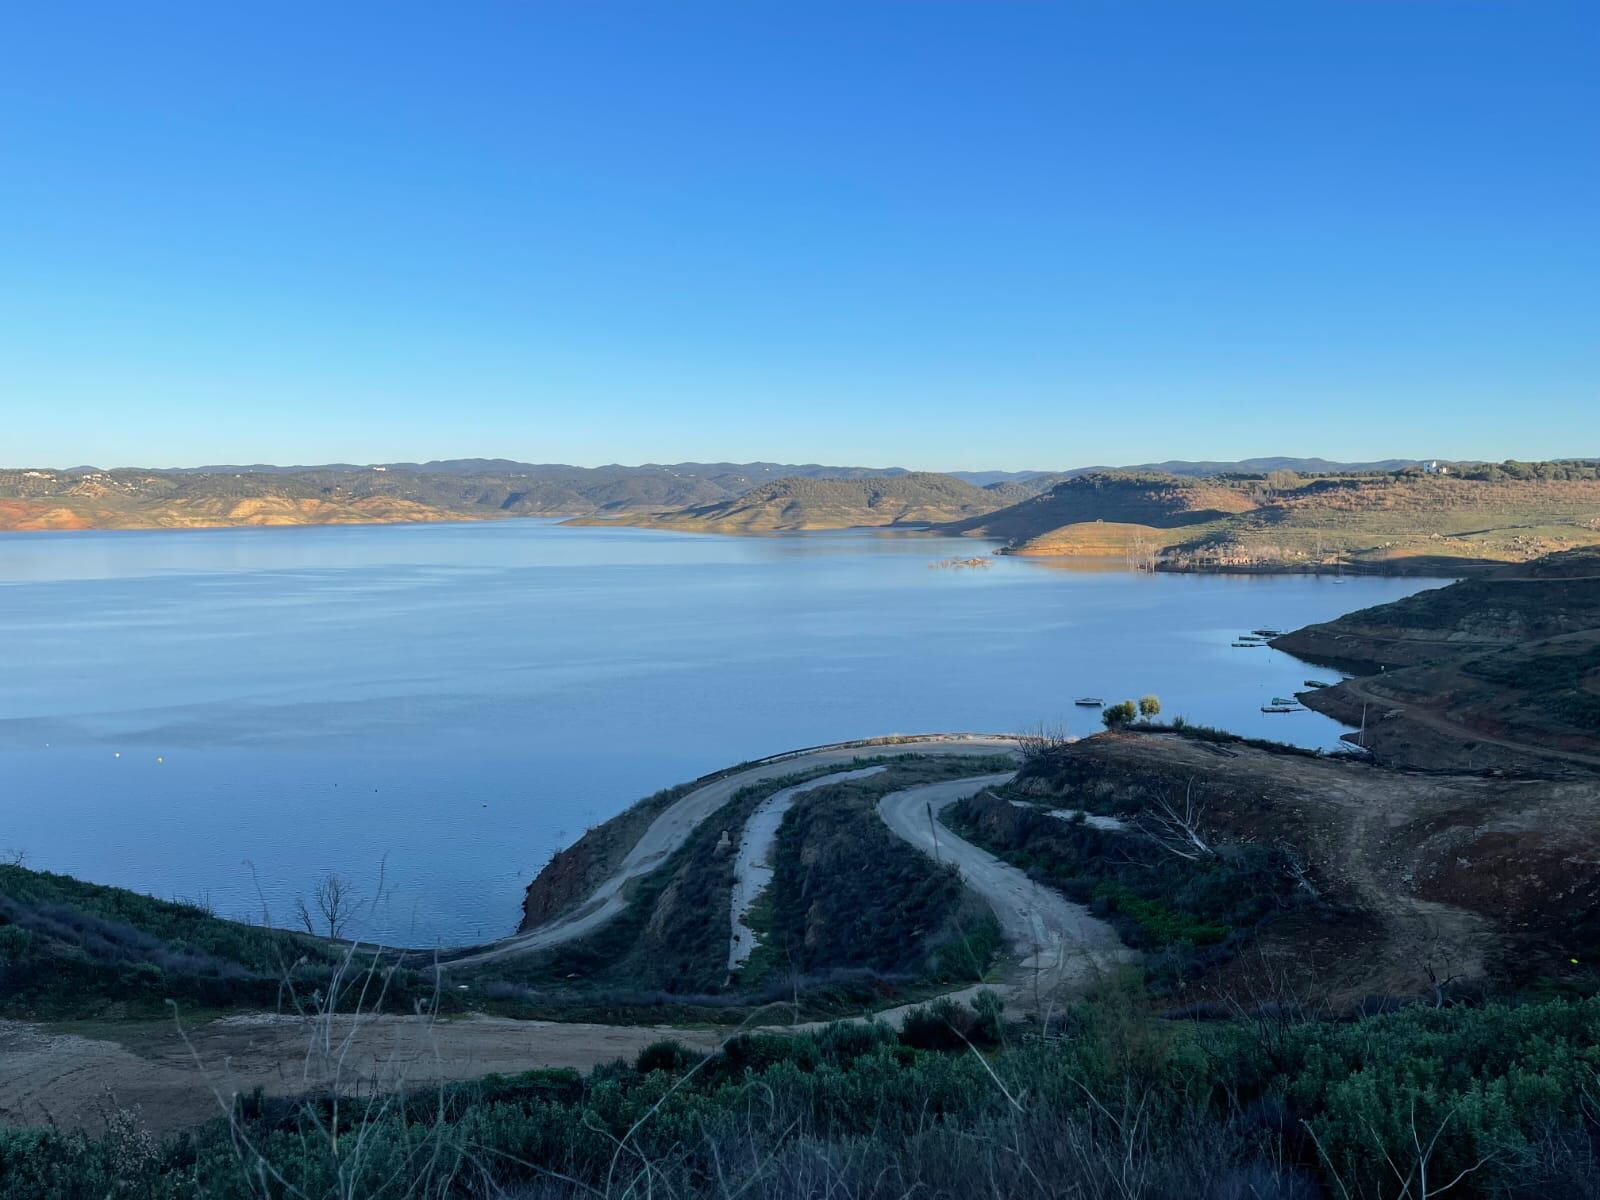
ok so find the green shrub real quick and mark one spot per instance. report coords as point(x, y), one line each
point(989, 1027)
point(1115, 716)
point(942, 1025)
point(1181, 1110)
point(665, 1055)
point(14, 942)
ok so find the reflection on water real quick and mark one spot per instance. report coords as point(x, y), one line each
point(458, 701)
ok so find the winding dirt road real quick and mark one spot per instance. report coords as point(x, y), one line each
point(1057, 943)
point(673, 827)
point(75, 1078)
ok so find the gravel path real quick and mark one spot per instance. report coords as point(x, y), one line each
point(673, 827)
point(1057, 943)
point(752, 866)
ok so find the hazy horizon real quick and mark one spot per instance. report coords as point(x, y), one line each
point(977, 467)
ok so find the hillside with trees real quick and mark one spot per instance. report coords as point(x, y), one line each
point(1446, 521)
point(914, 499)
point(456, 490)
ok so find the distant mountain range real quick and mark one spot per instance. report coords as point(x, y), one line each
point(756, 471)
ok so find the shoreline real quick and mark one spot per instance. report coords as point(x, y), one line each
point(1429, 567)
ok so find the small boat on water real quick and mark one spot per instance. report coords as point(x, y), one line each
point(1089, 702)
point(1249, 645)
point(1267, 633)
point(1289, 700)
point(1317, 683)
point(1279, 708)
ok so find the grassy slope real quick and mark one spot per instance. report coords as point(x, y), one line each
point(140, 499)
point(800, 504)
point(70, 948)
point(1383, 522)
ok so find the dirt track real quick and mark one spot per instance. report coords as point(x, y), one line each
point(1430, 718)
point(1057, 943)
point(71, 1080)
point(73, 1077)
point(752, 870)
point(1369, 837)
point(673, 827)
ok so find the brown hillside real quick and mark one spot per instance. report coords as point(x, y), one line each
point(1396, 521)
point(1501, 670)
point(787, 505)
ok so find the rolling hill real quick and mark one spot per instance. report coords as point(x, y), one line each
point(455, 490)
point(1498, 670)
point(794, 504)
point(1395, 521)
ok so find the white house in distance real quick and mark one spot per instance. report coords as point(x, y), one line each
point(1434, 467)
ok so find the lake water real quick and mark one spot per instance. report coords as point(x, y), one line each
point(230, 714)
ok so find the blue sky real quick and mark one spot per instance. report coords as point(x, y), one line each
point(935, 235)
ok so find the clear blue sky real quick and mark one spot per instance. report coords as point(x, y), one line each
point(937, 235)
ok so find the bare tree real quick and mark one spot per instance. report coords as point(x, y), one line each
point(336, 903)
point(1298, 870)
point(1043, 740)
point(1142, 553)
point(1177, 829)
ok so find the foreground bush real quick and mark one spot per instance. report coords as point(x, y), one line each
point(1499, 1100)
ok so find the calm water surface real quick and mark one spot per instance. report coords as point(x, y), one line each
point(230, 714)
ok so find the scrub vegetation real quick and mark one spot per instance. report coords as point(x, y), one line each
point(1110, 1100)
point(852, 913)
point(1158, 879)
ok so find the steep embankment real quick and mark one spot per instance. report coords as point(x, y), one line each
point(789, 505)
point(1403, 521)
point(1499, 670)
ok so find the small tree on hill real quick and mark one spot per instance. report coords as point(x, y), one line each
point(1149, 707)
point(1116, 716)
point(336, 904)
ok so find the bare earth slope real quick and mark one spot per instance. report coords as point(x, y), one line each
point(1456, 874)
point(1502, 670)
